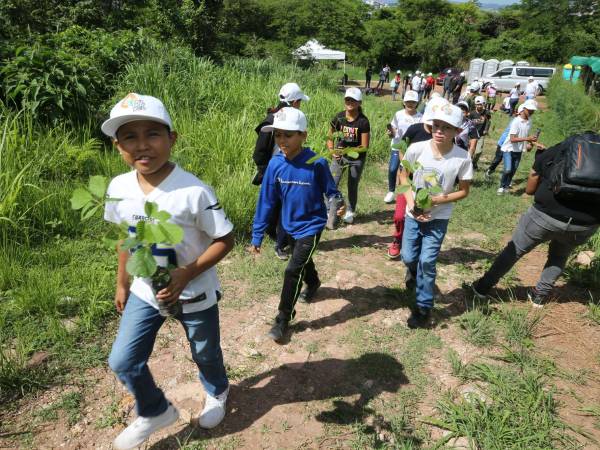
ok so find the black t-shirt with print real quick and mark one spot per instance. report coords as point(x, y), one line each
point(416, 133)
point(352, 131)
point(582, 213)
point(481, 121)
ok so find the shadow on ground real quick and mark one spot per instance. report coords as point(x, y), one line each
point(254, 397)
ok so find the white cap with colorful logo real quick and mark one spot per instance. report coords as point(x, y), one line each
point(479, 100)
point(448, 113)
point(289, 119)
point(530, 104)
point(431, 104)
point(136, 107)
point(411, 96)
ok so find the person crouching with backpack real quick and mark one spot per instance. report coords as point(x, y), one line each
point(564, 220)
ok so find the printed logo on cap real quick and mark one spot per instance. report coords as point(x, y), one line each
point(134, 102)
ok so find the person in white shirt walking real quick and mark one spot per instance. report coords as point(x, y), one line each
point(514, 95)
point(401, 121)
point(531, 90)
point(513, 146)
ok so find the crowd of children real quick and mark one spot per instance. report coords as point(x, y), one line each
point(434, 153)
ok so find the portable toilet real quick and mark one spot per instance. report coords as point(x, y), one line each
point(522, 63)
point(506, 63)
point(567, 70)
point(475, 69)
point(490, 66)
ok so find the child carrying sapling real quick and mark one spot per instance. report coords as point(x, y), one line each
point(435, 164)
point(142, 131)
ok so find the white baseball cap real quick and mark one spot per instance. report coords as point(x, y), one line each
point(463, 103)
point(354, 93)
point(449, 71)
point(517, 84)
point(462, 74)
point(447, 113)
point(431, 104)
point(136, 107)
point(418, 72)
point(436, 94)
point(479, 100)
point(397, 71)
point(530, 78)
point(530, 104)
point(289, 119)
point(429, 74)
point(291, 92)
point(411, 96)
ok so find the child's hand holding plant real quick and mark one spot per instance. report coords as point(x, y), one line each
point(167, 282)
point(424, 197)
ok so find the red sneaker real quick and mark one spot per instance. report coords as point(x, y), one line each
point(394, 250)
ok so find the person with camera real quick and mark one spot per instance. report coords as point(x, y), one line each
point(565, 183)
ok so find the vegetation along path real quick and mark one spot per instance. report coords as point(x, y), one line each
point(353, 375)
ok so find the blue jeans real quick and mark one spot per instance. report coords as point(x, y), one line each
point(421, 245)
point(393, 170)
point(134, 343)
point(511, 162)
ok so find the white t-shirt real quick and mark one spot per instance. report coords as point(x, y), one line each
point(401, 121)
point(514, 93)
point(194, 207)
point(531, 89)
point(416, 83)
point(521, 128)
point(454, 164)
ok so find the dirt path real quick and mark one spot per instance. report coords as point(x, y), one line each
point(334, 384)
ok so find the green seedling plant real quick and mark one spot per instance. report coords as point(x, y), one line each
point(423, 195)
point(159, 231)
point(351, 152)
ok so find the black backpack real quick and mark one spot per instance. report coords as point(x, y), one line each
point(575, 172)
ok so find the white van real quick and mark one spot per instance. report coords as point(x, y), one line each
point(506, 78)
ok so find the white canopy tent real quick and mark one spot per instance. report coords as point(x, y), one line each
point(313, 50)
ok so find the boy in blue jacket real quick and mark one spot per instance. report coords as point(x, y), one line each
point(299, 185)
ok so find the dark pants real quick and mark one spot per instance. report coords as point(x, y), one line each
point(355, 168)
point(300, 268)
point(368, 83)
point(497, 160)
point(455, 97)
point(275, 230)
point(513, 105)
point(534, 228)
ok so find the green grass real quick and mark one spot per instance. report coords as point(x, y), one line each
point(479, 328)
point(69, 404)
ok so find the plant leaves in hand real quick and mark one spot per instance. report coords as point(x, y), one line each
point(129, 243)
point(173, 233)
point(141, 263)
point(403, 188)
point(352, 154)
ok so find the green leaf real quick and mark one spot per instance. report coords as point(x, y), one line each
point(129, 243)
point(435, 190)
point(141, 263)
point(80, 198)
point(173, 233)
point(150, 208)
point(140, 229)
point(407, 165)
point(97, 186)
point(110, 243)
point(153, 234)
point(352, 154)
point(89, 212)
point(403, 188)
point(313, 159)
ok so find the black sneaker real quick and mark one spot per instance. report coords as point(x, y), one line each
point(537, 300)
point(419, 318)
point(308, 293)
point(281, 254)
point(409, 280)
point(473, 296)
point(278, 329)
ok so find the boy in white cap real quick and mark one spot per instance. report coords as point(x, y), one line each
point(356, 130)
point(299, 186)
point(441, 163)
point(290, 94)
point(514, 95)
point(516, 142)
point(142, 131)
point(398, 126)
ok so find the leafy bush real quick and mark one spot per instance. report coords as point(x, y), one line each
point(67, 74)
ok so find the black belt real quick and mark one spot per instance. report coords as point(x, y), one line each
point(570, 220)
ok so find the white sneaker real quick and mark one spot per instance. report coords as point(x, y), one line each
point(142, 427)
point(214, 410)
point(389, 197)
point(500, 191)
point(348, 217)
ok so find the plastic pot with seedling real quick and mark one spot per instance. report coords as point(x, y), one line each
point(423, 194)
point(156, 230)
